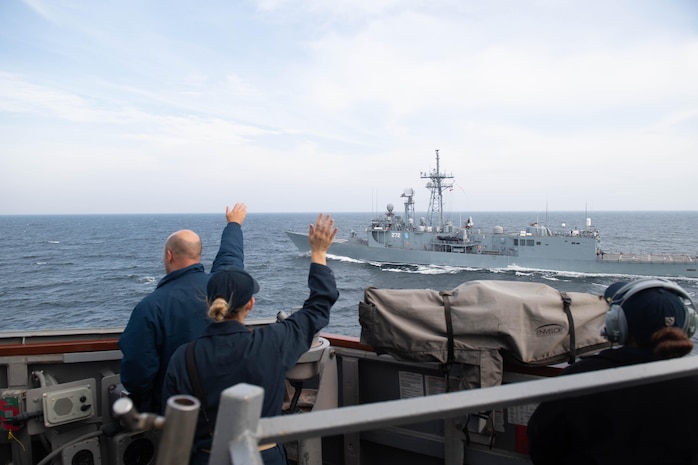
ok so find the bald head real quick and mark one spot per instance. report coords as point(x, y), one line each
point(182, 249)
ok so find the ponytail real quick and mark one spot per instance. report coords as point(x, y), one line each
point(218, 309)
point(670, 342)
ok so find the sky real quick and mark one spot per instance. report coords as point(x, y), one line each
point(146, 106)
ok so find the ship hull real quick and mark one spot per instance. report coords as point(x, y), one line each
point(553, 259)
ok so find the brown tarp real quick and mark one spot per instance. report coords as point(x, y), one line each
point(528, 323)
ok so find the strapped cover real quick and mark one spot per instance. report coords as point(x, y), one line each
point(528, 323)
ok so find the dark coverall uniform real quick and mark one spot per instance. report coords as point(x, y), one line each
point(229, 353)
point(173, 314)
point(650, 424)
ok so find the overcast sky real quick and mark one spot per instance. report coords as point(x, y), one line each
point(136, 106)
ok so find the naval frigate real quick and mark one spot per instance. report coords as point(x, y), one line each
point(430, 240)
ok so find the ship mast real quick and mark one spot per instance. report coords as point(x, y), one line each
point(437, 183)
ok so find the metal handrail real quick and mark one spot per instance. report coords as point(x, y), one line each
point(238, 436)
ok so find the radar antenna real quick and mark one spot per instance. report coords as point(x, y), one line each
point(438, 182)
point(408, 193)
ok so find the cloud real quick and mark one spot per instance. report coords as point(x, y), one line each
point(20, 96)
point(304, 106)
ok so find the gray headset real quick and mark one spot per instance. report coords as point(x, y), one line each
point(616, 329)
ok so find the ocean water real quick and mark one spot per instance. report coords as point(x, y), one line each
point(86, 271)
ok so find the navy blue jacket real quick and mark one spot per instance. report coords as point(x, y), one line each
point(229, 353)
point(650, 424)
point(173, 314)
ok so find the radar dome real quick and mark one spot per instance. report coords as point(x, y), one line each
point(389, 207)
point(498, 230)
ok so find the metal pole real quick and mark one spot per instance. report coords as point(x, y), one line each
point(449, 405)
point(181, 414)
point(178, 426)
point(235, 439)
point(132, 420)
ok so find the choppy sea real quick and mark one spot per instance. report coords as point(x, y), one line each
point(86, 271)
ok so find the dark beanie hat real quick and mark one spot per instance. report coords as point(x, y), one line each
point(651, 310)
point(235, 286)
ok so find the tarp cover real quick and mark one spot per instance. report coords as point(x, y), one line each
point(526, 322)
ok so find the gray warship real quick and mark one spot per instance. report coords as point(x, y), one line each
point(429, 240)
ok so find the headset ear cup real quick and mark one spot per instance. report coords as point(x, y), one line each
point(691, 321)
point(616, 329)
point(616, 325)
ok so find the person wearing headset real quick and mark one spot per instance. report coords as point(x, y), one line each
point(652, 319)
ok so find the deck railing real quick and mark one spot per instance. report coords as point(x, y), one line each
point(240, 430)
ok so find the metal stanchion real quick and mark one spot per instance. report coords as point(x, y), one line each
point(178, 426)
point(235, 436)
point(181, 414)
